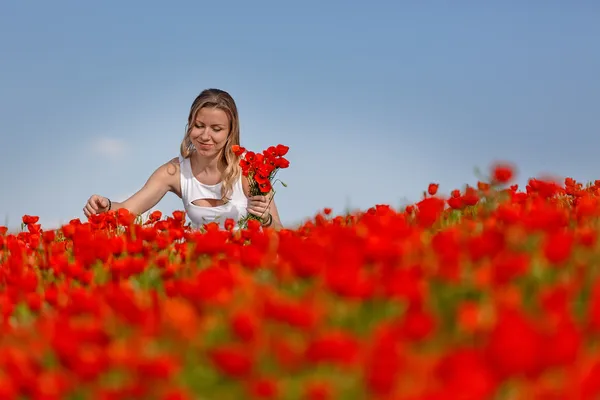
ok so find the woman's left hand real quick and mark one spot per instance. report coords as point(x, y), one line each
point(259, 206)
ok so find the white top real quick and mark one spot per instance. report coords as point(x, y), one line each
point(192, 189)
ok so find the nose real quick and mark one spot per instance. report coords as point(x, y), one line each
point(203, 135)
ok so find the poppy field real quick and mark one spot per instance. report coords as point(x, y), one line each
point(490, 292)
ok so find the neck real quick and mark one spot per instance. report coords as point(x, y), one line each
point(204, 163)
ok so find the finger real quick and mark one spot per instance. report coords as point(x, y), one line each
point(263, 204)
point(101, 201)
point(92, 206)
point(90, 210)
point(259, 212)
point(256, 204)
point(253, 212)
point(88, 207)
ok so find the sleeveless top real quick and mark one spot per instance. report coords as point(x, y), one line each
point(192, 189)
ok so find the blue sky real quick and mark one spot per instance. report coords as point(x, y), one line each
point(375, 99)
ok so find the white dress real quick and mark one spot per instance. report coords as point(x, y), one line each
point(192, 189)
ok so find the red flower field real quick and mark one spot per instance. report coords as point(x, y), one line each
point(493, 292)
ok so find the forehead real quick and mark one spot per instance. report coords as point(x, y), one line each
point(212, 115)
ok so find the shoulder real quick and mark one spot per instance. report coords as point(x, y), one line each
point(168, 172)
point(173, 166)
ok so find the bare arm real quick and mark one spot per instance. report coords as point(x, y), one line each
point(164, 179)
point(276, 224)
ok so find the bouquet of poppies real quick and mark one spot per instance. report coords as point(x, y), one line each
point(261, 168)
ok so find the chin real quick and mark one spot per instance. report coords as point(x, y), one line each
point(208, 152)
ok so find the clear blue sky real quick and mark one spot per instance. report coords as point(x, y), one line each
point(375, 99)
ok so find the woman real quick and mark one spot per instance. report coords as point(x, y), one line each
point(206, 175)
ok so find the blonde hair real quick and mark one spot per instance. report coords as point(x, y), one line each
point(216, 98)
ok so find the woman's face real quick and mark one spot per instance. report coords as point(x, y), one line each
point(209, 131)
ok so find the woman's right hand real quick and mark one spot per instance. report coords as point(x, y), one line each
point(95, 205)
